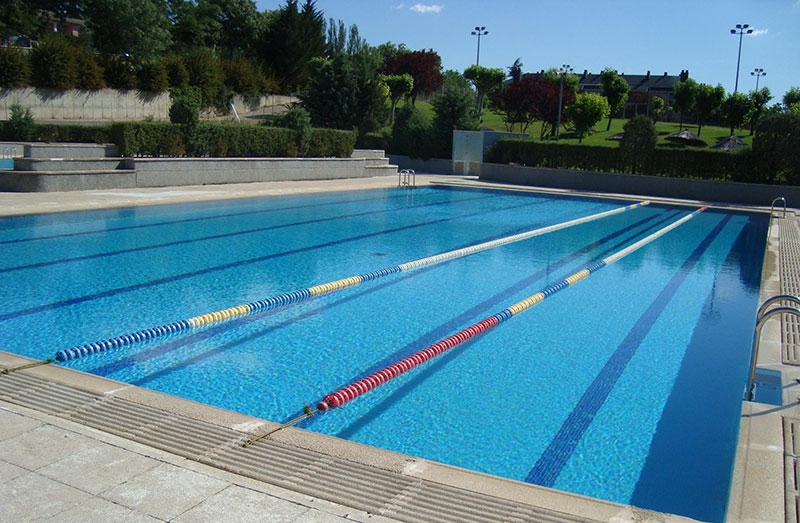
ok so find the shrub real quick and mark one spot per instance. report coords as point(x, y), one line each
point(231, 139)
point(20, 125)
point(242, 77)
point(638, 142)
point(205, 73)
point(15, 67)
point(53, 64)
point(185, 108)
point(152, 77)
point(90, 74)
point(298, 120)
point(177, 74)
point(118, 72)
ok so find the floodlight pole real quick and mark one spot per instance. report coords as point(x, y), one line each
point(479, 31)
point(562, 71)
point(741, 29)
point(758, 73)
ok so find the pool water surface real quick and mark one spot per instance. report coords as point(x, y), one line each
point(625, 386)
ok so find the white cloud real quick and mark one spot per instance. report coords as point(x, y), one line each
point(760, 32)
point(402, 5)
point(424, 9)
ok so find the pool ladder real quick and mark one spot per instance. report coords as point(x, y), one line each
point(772, 207)
point(764, 313)
point(407, 178)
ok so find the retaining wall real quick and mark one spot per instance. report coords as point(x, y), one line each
point(115, 105)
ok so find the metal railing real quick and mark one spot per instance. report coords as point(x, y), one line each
point(764, 313)
point(406, 178)
point(772, 207)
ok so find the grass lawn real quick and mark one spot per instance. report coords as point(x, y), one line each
point(710, 133)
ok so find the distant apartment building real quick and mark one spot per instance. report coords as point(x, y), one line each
point(643, 88)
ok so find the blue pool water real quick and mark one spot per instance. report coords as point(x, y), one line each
point(625, 386)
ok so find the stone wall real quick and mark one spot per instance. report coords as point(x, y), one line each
point(113, 105)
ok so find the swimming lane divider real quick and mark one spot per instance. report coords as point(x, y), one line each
point(357, 388)
point(302, 295)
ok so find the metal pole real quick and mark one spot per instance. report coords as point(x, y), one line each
point(741, 30)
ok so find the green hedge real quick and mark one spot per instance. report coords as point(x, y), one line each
point(225, 140)
point(62, 133)
point(677, 163)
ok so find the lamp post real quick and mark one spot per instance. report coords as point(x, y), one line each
point(479, 31)
point(741, 29)
point(758, 73)
point(562, 71)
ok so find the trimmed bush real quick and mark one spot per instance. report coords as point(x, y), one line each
point(15, 67)
point(677, 163)
point(118, 72)
point(152, 77)
point(225, 140)
point(53, 64)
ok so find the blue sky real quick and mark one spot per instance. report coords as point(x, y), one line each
point(632, 36)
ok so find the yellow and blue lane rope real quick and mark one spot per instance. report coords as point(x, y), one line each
point(298, 296)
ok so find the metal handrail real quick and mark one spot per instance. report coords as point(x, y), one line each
point(780, 297)
point(772, 207)
point(761, 319)
point(406, 178)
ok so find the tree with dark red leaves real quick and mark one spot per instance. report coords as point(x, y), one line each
point(425, 67)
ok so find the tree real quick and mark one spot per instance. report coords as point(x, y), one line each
point(758, 100)
point(775, 147)
point(683, 98)
point(425, 67)
point(121, 27)
point(556, 90)
point(791, 97)
point(638, 142)
point(399, 86)
point(486, 81)
point(454, 109)
point(516, 103)
point(293, 38)
point(657, 105)
point(615, 89)
point(735, 109)
point(708, 100)
point(229, 26)
point(587, 110)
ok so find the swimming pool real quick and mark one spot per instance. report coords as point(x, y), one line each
point(610, 388)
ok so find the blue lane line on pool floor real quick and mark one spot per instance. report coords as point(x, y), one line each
point(183, 221)
point(232, 265)
point(220, 236)
point(159, 350)
point(555, 457)
point(469, 315)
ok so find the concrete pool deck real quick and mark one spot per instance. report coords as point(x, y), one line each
point(75, 447)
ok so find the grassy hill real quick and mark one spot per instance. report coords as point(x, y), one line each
point(710, 133)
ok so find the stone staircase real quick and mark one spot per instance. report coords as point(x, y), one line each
point(48, 167)
point(376, 159)
point(51, 167)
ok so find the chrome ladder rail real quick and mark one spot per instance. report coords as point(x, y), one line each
point(776, 200)
point(764, 313)
point(407, 178)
